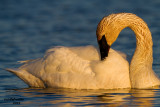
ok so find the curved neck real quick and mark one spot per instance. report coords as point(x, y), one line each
point(112, 25)
point(143, 52)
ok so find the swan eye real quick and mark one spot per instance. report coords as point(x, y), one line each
point(104, 47)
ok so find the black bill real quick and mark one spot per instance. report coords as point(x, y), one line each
point(104, 47)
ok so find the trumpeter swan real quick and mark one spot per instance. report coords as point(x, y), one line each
point(82, 68)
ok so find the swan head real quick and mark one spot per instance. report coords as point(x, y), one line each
point(107, 32)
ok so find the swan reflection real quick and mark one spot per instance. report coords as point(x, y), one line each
point(71, 97)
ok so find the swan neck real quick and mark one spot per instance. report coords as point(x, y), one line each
point(143, 52)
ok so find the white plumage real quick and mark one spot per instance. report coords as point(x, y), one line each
point(76, 67)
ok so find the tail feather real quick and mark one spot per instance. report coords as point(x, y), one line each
point(27, 61)
point(28, 78)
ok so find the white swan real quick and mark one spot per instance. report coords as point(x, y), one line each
point(81, 67)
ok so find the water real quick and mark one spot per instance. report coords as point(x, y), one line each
point(69, 97)
point(28, 28)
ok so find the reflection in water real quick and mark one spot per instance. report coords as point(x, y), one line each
point(143, 97)
point(115, 97)
point(71, 97)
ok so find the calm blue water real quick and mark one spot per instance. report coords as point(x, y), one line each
point(29, 27)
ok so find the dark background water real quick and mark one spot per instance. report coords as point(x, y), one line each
point(29, 27)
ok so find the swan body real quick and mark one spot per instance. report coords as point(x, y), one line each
point(71, 67)
point(82, 68)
